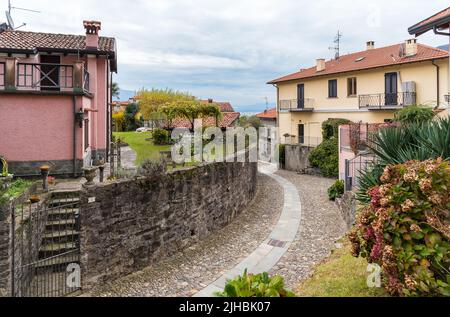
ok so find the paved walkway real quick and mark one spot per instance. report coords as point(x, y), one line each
point(270, 252)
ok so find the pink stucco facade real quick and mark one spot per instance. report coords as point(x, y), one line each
point(66, 128)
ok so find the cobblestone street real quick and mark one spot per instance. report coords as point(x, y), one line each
point(194, 271)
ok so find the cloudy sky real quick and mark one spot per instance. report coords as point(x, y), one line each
point(228, 49)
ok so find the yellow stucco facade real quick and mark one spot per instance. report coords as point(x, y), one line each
point(369, 82)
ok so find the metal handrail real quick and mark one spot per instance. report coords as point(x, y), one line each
point(402, 99)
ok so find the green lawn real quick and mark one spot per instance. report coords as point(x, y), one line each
point(144, 149)
point(341, 275)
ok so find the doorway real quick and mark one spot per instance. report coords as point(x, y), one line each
point(49, 72)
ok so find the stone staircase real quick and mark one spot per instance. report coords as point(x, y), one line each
point(60, 241)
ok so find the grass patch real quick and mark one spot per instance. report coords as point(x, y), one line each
point(143, 148)
point(17, 188)
point(341, 275)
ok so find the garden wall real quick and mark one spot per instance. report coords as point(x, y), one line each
point(129, 225)
point(297, 158)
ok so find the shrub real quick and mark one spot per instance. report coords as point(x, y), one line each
point(326, 157)
point(330, 128)
point(405, 228)
point(260, 285)
point(337, 190)
point(160, 136)
point(152, 169)
point(415, 115)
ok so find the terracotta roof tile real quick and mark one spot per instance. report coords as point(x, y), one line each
point(224, 106)
point(269, 114)
point(380, 57)
point(32, 41)
point(229, 118)
point(435, 17)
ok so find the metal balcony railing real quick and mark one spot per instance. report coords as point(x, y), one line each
point(44, 76)
point(447, 98)
point(306, 104)
point(383, 101)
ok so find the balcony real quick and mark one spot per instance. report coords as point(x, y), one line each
point(387, 101)
point(297, 105)
point(42, 78)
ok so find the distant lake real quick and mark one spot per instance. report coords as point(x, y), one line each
point(249, 114)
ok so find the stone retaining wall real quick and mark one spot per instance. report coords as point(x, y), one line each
point(348, 207)
point(129, 225)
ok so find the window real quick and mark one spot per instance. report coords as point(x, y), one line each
point(332, 88)
point(301, 134)
point(352, 87)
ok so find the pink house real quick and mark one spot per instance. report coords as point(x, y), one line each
point(55, 92)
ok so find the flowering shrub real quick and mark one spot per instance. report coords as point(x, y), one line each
point(406, 228)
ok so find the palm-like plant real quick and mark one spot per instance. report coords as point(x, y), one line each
point(398, 145)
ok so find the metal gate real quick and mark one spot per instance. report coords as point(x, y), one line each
point(354, 169)
point(46, 244)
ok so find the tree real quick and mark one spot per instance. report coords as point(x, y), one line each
point(119, 120)
point(131, 111)
point(151, 101)
point(115, 90)
point(252, 121)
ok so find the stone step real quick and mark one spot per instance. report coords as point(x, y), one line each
point(64, 201)
point(56, 248)
point(63, 214)
point(59, 262)
point(60, 234)
point(65, 224)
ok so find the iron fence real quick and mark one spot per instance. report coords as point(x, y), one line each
point(44, 76)
point(46, 247)
point(354, 169)
point(387, 100)
point(297, 104)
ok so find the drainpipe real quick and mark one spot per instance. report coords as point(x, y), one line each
point(108, 111)
point(74, 100)
point(438, 82)
point(278, 112)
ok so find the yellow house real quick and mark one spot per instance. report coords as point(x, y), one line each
point(367, 86)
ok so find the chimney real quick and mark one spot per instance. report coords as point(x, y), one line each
point(92, 29)
point(411, 47)
point(210, 101)
point(370, 45)
point(320, 65)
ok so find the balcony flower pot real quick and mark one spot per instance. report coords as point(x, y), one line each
point(90, 173)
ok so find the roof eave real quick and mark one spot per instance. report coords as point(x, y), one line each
point(418, 29)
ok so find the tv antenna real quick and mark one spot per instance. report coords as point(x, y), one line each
point(9, 18)
point(337, 44)
point(267, 102)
